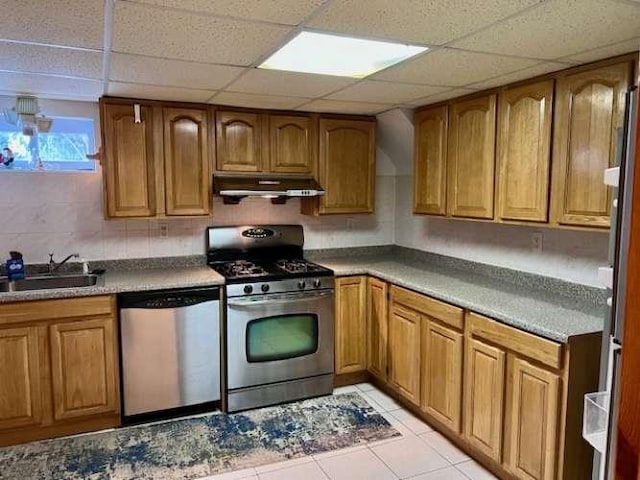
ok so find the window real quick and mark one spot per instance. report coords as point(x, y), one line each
point(63, 148)
point(282, 337)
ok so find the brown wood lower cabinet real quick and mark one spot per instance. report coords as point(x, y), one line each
point(58, 368)
point(531, 420)
point(404, 347)
point(509, 398)
point(83, 367)
point(350, 325)
point(484, 397)
point(377, 327)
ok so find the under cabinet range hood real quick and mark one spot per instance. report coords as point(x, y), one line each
point(234, 188)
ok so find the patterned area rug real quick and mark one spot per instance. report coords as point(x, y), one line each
point(200, 446)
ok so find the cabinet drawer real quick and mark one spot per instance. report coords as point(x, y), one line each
point(42, 310)
point(439, 310)
point(523, 343)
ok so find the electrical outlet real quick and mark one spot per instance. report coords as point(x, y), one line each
point(536, 242)
point(164, 230)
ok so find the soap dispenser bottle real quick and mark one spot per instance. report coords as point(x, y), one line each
point(15, 266)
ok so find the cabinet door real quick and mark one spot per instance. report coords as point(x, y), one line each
point(430, 161)
point(291, 144)
point(589, 110)
point(347, 165)
point(377, 328)
point(186, 161)
point(404, 352)
point(471, 157)
point(351, 297)
point(238, 141)
point(20, 394)
point(83, 368)
point(442, 373)
point(531, 433)
point(484, 380)
point(524, 152)
point(128, 165)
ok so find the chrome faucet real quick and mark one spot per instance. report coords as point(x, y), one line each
point(53, 266)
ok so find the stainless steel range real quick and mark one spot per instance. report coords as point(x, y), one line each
point(279, 315)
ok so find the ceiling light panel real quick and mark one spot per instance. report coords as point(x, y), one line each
point(321, 53)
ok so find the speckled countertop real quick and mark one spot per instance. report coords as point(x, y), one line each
point(545, 313)
point(544, 307)
point(128, 281)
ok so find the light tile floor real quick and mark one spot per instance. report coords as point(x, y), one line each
point(419, 454)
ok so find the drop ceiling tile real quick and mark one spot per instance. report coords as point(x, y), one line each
point(54, 96)
point(188, 36)
point(43, 85)
point(158, 92)
point(20, 57)
point(275, 82)
point(384, 92)
point(441, 97)
point(334, 106)
point(248, 100)
point(559, 28)
point(434, 22)
point(75, 23)
point(627, 46)
point(453, 68)
point(290, 12)
point(524, 74)
point(176, 73)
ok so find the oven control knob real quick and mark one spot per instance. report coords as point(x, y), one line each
point(248, 289)
point(264, 287)
point(317, 283)
point(301, 285)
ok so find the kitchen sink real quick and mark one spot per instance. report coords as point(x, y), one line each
point(47, 282)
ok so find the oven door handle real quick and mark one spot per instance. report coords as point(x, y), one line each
point(298, 297)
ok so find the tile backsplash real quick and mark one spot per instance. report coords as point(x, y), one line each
point(62, 213)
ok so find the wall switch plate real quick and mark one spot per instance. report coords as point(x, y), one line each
point(536, 242)
point(164, 230)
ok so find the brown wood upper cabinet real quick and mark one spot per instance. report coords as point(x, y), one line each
point(292, 144)
point(430, 162)
point(350, 324)
point(186, 154)
point(265, 142)
point(159, 166)
point(239, 141)
point(471, 157)
point(588, 112)
point(129, 161)
point(524, 151)
point(347, 165)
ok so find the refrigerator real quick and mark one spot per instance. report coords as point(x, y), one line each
point(600, 413)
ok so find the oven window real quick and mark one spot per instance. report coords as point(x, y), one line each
point(282, 337)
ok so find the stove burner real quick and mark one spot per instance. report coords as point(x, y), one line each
point(240, 268)
point(297, 266)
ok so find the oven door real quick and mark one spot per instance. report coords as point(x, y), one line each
point(279, 337)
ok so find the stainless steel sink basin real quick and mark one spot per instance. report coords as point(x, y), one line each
point(48, 282)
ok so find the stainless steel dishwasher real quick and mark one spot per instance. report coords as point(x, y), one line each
point(170, 349)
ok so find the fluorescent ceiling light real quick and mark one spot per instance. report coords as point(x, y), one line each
point(311, 52)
